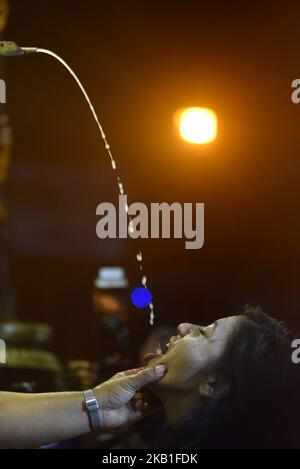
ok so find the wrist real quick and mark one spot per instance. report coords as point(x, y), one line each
point(104, 410)
point(92, 407)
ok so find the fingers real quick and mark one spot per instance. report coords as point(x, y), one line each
point(121, 374)
point(147, 376)
point(134, 371)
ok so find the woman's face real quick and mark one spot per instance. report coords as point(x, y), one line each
point(196, 352)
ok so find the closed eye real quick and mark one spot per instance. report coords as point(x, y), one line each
point(209, 331)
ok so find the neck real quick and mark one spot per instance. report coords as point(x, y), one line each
point(176, 407)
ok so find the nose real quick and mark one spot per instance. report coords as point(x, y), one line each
point(185, 328)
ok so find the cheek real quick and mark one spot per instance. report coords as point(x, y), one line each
point(199, 357)
point(185, 362)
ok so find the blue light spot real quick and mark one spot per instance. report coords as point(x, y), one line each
point(141, 297)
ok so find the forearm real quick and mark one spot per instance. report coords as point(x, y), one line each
point(32, 420)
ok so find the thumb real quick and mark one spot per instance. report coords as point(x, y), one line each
point(147, 376)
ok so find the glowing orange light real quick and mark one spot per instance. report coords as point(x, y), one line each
point(198, 125)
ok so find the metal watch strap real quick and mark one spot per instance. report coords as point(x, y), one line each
point(92, 407)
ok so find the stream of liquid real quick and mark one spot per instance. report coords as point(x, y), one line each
point(120, 185)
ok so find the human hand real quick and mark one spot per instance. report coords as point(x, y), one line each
point(115, 395)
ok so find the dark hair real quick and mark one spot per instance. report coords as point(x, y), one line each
point(264, 384)
point(261, 406)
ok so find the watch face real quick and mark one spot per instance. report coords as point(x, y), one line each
point(4, 11)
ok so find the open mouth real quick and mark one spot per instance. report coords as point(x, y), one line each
point(162, 351)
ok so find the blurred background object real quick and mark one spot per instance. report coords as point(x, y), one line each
point(4, 12)
point(111, 310)
point(7, 303)
point(31, 365)
point(197, 125)
point(81, 375)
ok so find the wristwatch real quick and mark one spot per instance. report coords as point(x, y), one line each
point(92, 406)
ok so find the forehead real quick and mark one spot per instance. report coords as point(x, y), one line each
point(225, 326)
point(231, 320)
